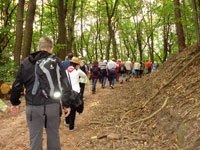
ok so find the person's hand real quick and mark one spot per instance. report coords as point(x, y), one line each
point(77, 66)
point(67, 111)
point(14, 109)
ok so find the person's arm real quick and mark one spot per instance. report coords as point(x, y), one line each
point(66, 89)
point(80, 72)
point(16, 92)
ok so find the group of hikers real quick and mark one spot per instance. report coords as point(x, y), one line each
point(117, 70)
point(48, 84)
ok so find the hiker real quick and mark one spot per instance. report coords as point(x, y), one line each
point(83, 81)
point(142, 67)
point(146, 67)
point(95, 71)
point(133, 70)
point(154, 66)
point(66, 63)
point(117, 69)
point(41, 108)
point(137, 66)
point(99, 63)
point(128, 66)
point(122, 71)
point(149, 67)
point(74, 73)
point(103, 73)
point(111, 70)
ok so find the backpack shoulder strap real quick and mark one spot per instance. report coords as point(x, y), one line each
point(36, 82)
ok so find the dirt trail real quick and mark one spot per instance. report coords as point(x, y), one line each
point(113, 111)
point(14, 133)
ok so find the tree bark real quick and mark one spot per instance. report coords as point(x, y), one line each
point(196, 20)
point(179, 26)
point(61, 30)
point(19, 32)
point(29, 28)
point(41, 17)
point(110, 29)
point(81, 28)
point(71, 23)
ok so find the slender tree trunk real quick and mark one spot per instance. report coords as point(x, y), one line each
point(139, 41)
point(179, 26)
point(81, 28)
point(152, 43)
point(71, 23)
point(188, 39)
point(108, 49)
point(61, 30)
point(75, 50)
point(19, 32)
point(127, 48)
point(196, 21)
point(29, 28)
point(110, 30)
point(41, 17)
point(114, 43)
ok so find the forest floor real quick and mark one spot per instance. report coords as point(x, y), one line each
point(159, 111)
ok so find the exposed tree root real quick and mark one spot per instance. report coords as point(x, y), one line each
point(172, 78)
point(149, 117)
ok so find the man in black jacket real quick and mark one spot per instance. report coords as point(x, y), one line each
point(35, 103)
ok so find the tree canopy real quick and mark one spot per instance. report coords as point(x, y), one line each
point(137, 29)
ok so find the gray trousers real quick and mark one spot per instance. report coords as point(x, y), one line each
point(37, 124)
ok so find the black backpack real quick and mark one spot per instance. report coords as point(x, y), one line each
point(95, 70)
point(47, 78)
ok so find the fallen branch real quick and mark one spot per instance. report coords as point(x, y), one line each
point(124, 115)
point(152, 115)
point(172, 78)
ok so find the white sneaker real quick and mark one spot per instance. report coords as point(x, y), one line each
point(67, 125)
point(73, 129)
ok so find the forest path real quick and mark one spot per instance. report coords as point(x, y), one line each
point(14, 133)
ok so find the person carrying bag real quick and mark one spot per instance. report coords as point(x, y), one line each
point(74, 73)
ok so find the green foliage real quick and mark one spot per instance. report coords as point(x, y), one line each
point(8, 69)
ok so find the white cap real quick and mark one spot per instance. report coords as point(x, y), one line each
point(105, 61)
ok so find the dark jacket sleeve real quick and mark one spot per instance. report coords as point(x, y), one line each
point(65, 85)
point(17, 88)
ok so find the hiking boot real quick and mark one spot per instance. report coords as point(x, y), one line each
point(93, 92)
point(112, 87)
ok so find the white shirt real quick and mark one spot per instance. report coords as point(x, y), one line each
point(74, 76)
point(137, 66)
point(111, 65)
point(128, 65)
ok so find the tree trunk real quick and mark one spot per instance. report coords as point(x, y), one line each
point(187, 35)
point(108, 49)
point(81, 28)
point(41, 17)
point(61, 30)
point(139, 41)
point(110, 30)
point(179, 26)
point(196, 20)
point(152, 43)
point(71, 23)
point(29, 28)
point(19, 32)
